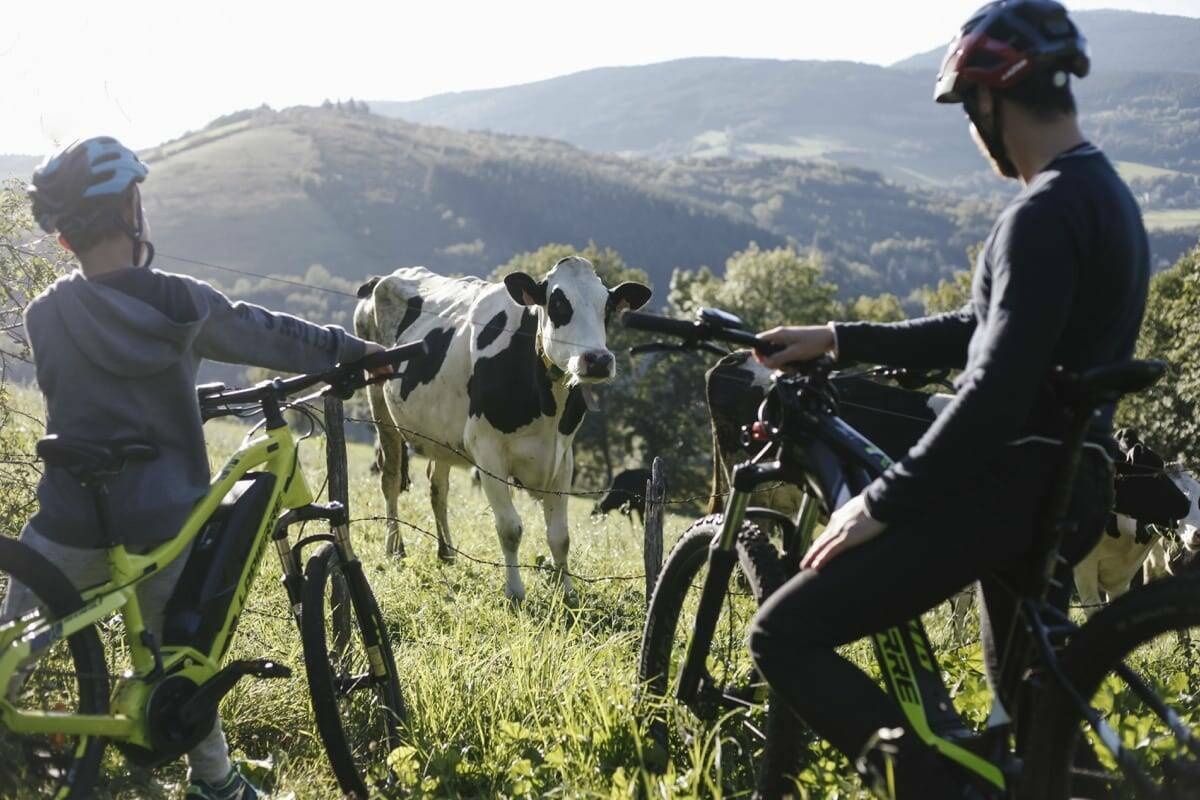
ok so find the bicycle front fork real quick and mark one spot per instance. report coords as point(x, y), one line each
point(722, 556)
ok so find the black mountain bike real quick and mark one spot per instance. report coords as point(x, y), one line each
point(1111, 706)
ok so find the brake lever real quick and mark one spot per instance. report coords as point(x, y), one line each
point(712, 348)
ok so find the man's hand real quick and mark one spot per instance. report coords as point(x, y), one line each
point(378, 372)
point(848, 527)
point(804, 343)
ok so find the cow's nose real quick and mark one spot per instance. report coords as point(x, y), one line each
point(597, 363)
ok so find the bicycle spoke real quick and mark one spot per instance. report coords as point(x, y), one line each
point(1149, 714)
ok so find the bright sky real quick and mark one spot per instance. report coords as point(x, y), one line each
point(148, 70)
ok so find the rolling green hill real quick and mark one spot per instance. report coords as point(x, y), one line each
point(278, 192)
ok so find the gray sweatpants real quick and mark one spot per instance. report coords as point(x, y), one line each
point(209, 760)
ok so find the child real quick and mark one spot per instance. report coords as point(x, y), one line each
point(117, 346)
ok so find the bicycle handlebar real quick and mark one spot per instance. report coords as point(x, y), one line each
point(345, 379)
point(696, 331)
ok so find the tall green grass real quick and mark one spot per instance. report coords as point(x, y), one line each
point(536, 702)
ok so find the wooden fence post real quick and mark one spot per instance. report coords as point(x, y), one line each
point(656, 497)
point(335, 451)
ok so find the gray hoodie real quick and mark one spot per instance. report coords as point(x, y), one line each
point(117, 358)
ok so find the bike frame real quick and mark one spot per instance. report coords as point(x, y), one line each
point(25, 640)
point(836, 465)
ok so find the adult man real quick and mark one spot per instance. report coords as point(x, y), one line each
point(1061, 281)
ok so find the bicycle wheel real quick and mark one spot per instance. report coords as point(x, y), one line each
point(731, 684)
point(1155, 633)
point(352, 674)
point(69, 677)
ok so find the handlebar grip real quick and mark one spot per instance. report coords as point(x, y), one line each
point(653, 323)
point(395, 356)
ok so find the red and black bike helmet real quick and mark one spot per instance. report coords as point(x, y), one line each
point(1005, 42)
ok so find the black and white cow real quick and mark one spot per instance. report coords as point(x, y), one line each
point(627, 494)
point(503, 387)
point(1147, 492)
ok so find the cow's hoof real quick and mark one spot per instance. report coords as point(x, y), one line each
point(514, 599)
point(398, 554)
point(447, 556)
point(571, 599)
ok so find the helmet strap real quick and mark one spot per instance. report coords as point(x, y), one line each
point(993, 135)
point(140, 248)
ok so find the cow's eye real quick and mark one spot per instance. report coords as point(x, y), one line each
point(559, 308)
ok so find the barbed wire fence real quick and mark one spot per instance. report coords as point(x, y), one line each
point(29, 460)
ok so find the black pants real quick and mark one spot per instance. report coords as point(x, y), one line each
point(905, 571)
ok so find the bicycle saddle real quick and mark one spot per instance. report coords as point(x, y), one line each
point(86, 459)
point(1110, 382)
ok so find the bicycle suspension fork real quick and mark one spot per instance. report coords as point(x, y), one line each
point(722, 557)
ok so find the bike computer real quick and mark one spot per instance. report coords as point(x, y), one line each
point(721, 319)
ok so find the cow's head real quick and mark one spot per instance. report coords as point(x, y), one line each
point(573, 308)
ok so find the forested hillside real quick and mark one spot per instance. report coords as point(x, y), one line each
point(279, 192)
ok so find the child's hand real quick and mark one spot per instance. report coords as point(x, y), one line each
point(386, 369)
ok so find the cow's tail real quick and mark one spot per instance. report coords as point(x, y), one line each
point(366, 329)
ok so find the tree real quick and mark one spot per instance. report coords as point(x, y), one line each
point(952, 294)
point(764, 287)
point(1165, 414)
point(27, 266)
point(884, 308)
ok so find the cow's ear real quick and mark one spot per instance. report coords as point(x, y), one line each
point(368, 288)
point(524, 290)
point(628, 296)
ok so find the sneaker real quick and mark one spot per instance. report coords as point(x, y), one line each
point(234, 787)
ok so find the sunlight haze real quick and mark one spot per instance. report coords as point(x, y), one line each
point(149, 71)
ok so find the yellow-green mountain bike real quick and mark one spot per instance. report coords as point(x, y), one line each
point(59, 707)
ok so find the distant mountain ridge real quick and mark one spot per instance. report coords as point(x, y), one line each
point(14, 165)
point(1118, 43)
point(855, 114)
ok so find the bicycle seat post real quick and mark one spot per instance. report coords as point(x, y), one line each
point(1056, 525)
point(99, 491)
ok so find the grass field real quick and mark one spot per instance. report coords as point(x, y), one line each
point(1172, 219)
point(536, 702)
point(1132, 170)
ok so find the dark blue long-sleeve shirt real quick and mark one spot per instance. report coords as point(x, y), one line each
point(1061, 281)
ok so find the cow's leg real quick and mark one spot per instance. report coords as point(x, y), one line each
point(1158, 562)
point(391, 450)
point(439, 495)
point(554, 508)
point(508, 529)
point(405, 459)
point(1087, 583)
